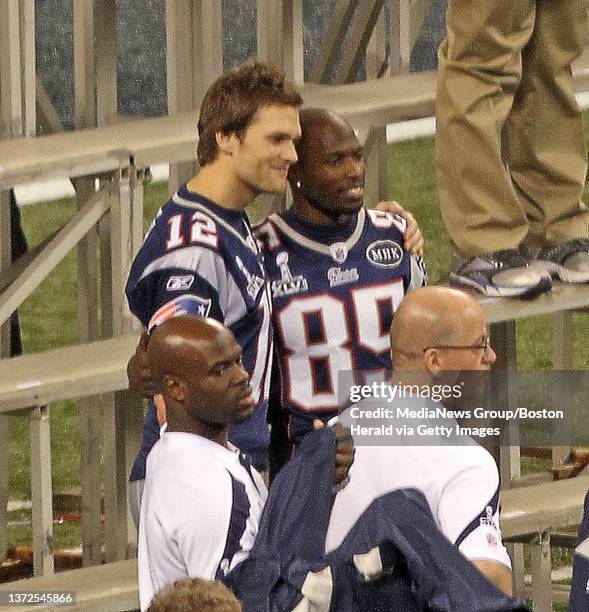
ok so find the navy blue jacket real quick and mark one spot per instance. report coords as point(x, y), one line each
point(420, 568)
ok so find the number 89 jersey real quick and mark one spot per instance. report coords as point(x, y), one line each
point(334, 292)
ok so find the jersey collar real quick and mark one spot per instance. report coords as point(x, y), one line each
point(287, 228)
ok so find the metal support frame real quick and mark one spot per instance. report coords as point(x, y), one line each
point(279, 27)
point(504, 341)
point(562, 361)
point(339, 23)
point(11, 111)
point(400, 52)
point(180, 70)
point(5, 257)
point(375, 156)
point(28, 67)
point(84, 64)
point(120, 232)
point(540, 563)
point(41, 492)
point(48, 116)
point(376, 48)
point(3, 486)
point(105, 53)
point(90, 408)
point(207, 45)
point(355, 44)
point(45, 261)
point(407, 17)
point(194, 58)
point(292, 32)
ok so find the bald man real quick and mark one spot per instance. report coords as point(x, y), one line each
point(338, 272)
point(202, 501)
point(437, 333)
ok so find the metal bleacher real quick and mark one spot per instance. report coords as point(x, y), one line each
point(116, 155)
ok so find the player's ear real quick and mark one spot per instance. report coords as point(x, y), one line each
point(226, 142)
point(175, 388)
point(294, 175)
point(433, 361)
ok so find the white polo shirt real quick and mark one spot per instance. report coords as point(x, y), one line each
point(200, 512)
point(460, 483)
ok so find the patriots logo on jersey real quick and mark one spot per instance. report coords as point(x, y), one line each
point(288, 284)
point(339, 252)
point(337, 276)
point(183, 305)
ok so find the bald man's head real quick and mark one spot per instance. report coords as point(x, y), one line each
point(439, 317)
point(196, 362)
point(180, 343)
point(329, 175)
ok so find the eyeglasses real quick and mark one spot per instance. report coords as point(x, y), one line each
point(483, 345)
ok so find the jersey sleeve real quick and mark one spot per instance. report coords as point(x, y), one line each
point(418, 273)
point(469, 512)
point(201, 530)
point(191, 280)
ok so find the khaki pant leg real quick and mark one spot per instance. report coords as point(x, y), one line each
point(544, 143)
point(479, 71)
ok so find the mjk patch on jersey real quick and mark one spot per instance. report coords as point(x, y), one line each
point(180, 283)
point(183, 305)
point(288, 284)
point(385, 253)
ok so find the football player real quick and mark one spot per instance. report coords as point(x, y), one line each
point(338, 272)
point(198, 366)
point(199, 256)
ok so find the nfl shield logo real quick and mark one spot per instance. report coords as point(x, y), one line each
point(339, 252)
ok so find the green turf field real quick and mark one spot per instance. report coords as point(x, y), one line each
point(49, 319)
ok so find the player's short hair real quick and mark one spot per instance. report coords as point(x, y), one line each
point(233, 99)
point(191, 594)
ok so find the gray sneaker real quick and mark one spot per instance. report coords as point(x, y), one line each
point(500, 274)
point(568, 261)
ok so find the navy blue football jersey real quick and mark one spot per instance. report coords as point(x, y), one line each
point(201, 259)
point(334, 292)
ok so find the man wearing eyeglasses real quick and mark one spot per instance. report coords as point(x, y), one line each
point(407, 440)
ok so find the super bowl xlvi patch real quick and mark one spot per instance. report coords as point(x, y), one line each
point(254, 283)
point(339, 251)
point(288, 284)
point(180, 283)
point(183, 305)
point(384, 254)
point(337, 276)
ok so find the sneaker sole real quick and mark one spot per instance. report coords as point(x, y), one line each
point(561, 272)
point(543, 286)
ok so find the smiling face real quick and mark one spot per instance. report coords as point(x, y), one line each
point(330, 169)
point(263, 154)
